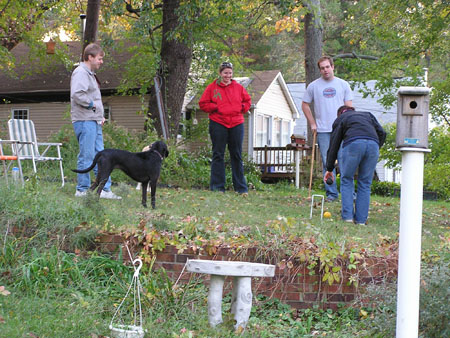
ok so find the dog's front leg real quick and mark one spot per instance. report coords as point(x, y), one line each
point(153, 192)
point(144, 186)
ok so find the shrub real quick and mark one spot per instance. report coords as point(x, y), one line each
point(384, 188)
point(434, 306)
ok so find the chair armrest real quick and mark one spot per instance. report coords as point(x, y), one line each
point(48, 144)
point(15, 142)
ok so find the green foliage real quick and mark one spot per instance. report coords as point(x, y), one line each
point(404, 37)
point(434, 308)
point(65, 272)
point(388, 151)
point(436, 166)
point(385, 188)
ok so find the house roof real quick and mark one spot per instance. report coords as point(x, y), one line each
point(49, 76)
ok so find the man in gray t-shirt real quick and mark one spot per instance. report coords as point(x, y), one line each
point(328, 93)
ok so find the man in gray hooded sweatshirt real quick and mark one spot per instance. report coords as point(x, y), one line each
point(87, 116)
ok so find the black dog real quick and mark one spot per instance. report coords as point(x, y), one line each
point(143, 167)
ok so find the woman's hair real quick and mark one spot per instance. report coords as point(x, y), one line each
point(225, 65)
point(343, 109)
point(93, 50)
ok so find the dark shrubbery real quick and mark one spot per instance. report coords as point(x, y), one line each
point(434, 306)
point(385, 188)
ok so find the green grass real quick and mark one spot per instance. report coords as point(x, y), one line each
point(59, 294)
point(274, 211)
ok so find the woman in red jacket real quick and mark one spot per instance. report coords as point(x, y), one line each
point(226, 102)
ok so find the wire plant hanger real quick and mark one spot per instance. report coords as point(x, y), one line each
point(135, 330)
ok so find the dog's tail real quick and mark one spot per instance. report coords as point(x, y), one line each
point(83, 171)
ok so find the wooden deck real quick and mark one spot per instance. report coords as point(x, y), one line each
point(279, 162)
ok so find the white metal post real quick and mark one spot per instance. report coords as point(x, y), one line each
point(411, 201)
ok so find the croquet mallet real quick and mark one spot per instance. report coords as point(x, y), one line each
point(312, 162)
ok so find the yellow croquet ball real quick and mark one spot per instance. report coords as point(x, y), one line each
point(327, 214)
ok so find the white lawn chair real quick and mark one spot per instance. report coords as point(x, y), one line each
point(28, 147)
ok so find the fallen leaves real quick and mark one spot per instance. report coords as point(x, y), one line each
point(3, 291)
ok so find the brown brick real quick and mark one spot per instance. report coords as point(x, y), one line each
point(169, 249)
point(203, 257)
point(183, 258)
point(310, 297)
point(292, 287)
point(292, 296)
point(172, 266)
point(333, 288)
point(224, 252)
point(349, 297)
point(165, 257)
point(336, 298)
point(332, 306)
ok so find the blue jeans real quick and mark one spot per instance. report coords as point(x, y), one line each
point(361, 155)
point(222, 136)
point(90, 139)
point(323, 140)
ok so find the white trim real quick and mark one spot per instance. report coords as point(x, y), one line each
point(251, 132)
point(20, 109)
point(286, 92)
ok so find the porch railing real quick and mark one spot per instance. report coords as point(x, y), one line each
point(279, 162)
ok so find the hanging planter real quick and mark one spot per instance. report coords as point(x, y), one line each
point(126, 331)
point(135, 330)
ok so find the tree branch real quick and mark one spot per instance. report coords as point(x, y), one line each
point(353, 55)
point(129, 7)
point(4, 8)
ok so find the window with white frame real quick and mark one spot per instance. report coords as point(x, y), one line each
point(262, 131)
point(20, 114)
point(277, 142)
point(107, 113)
point(285, 133)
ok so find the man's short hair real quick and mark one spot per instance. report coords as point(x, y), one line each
point(325, 58)
point(343, 109)
point(92, 49)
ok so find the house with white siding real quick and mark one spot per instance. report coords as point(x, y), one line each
point(384, 116)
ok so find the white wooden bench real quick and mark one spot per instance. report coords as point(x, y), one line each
point(241, 301)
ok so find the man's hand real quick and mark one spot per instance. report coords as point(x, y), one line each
point(328, 176)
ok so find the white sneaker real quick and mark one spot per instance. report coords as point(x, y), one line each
point(109, 195)
point(79, 193)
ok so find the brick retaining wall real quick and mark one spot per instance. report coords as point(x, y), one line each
point(293, 283)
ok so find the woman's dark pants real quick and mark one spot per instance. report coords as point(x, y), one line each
point(222, 136)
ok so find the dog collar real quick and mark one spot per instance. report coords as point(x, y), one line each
point(156, 151)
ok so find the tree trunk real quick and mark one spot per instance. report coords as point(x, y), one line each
point(313, 46)
point(176, 58)
point(90, 33)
